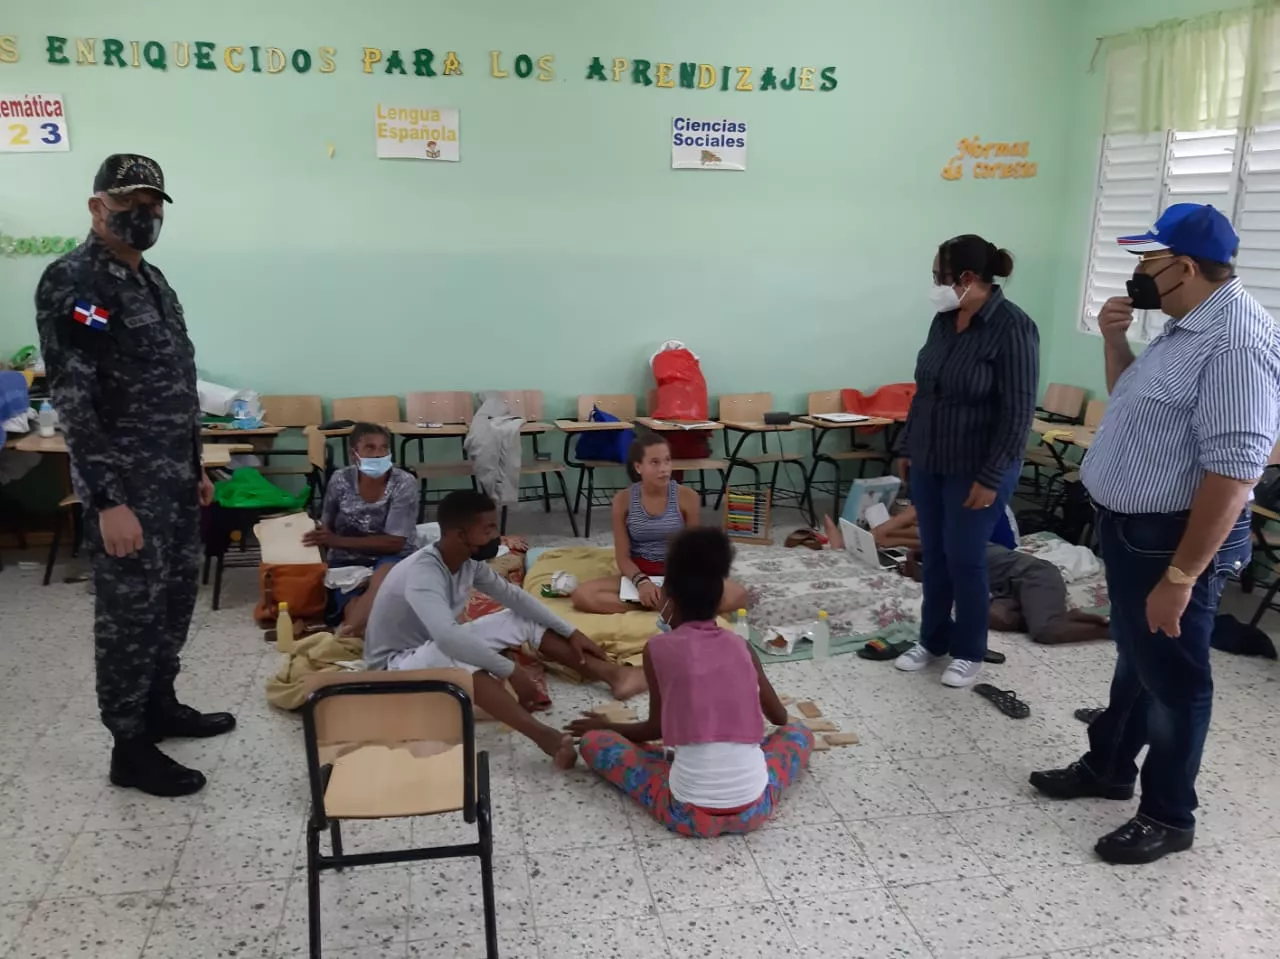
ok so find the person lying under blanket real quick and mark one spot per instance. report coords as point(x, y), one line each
point(368, 519)
point(414, 625)
point(708, 699)
point(645, 518)
point(1028, 594)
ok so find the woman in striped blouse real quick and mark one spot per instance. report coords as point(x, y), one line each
point(646, 518)
point(976, 380)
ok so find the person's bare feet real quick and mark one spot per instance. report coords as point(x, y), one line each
point(835, 538)
point(630, 682)
point(559, 746)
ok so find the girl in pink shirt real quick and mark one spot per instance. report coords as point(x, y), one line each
point(708, 701)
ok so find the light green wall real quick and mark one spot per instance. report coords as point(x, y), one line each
point(1073, 357)
point(562, 248)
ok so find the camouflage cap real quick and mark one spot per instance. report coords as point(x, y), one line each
point(123, 173)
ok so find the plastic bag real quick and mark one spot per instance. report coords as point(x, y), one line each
point(217, 400)
point(682, 389)
point(892, 402)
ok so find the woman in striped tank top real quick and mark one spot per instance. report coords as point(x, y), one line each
point(646, 517)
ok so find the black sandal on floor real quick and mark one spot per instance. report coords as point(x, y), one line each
point(879, 650)
point(1005, 700)
point(993, 657)
point(1088, 714)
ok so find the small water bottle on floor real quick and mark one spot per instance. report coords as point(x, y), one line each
point(741, 626)
point(284, 629)
point(821, 636)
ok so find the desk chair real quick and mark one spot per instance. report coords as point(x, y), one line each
point(527, 404)
point(1093, 413)
point(830, 401)
point(70, 503)
point(448, 407)
point(683, 442)
point(388, 745)
point(295, 412)
point(750, 408)
point(621, 405)
point(365, 409)
point(1061, 404)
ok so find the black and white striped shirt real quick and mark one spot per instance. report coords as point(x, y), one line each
point(975, 393)
point(1203, 397)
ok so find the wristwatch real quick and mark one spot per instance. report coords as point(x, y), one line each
point(1178, 577)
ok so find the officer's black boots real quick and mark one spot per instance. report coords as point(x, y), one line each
point(138, 764)
point(176, 720)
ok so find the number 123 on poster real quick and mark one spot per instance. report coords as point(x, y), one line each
point(33, 123)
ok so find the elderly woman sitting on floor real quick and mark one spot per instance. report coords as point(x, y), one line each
point(646, 517)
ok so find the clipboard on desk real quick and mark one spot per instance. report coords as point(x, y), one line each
point(280, 538)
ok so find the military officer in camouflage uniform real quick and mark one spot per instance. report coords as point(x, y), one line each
point(122, 372)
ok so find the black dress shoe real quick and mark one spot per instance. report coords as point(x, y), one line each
point(1142, 840)
point(1076, 781)
point(138, 764)
point(184, 722)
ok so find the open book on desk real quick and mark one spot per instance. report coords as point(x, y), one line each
point(840, 417)
point(682, 424)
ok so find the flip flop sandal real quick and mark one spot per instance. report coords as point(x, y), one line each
point(993, 657)
point(1005, 700)
point(1088, 714)
point(879, 650)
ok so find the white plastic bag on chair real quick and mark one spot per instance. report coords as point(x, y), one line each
point(218, 400)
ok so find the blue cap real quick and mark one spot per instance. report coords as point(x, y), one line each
point(1188, 229)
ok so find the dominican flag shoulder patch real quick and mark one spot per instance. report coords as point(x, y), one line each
point(94, 317)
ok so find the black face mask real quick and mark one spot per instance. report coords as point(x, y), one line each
point(1144, 291)
point(488, 551)
point(138, 227)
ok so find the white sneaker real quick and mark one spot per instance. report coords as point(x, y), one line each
point(915, 658)
point(961, 673)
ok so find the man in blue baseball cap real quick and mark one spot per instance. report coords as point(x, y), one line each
point(1188, 431)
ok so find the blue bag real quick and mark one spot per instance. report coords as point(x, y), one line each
point(607, 445)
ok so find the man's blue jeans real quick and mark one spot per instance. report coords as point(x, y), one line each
point(1162, 690)
point(954, 543)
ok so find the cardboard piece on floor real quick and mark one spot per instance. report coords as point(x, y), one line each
point(786, 700)
point(809, 710)
point(821, 725)
point(820, 745)
point(615, 713)
point(841, 739)
point(281, 539)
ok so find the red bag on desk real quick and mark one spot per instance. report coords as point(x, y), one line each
point(681, 394)
point(682, 390)
point(892, 402)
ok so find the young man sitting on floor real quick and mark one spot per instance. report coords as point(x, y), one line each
point(414, 625)
point(1027, 594)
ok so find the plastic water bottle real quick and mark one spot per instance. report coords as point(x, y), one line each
point(822, 636)
point(741, 626)
point(240, 409)
point(46, 418)
point(284, 629)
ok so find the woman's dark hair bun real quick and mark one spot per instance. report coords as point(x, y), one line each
point(970, 253)
point(1001, 262)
